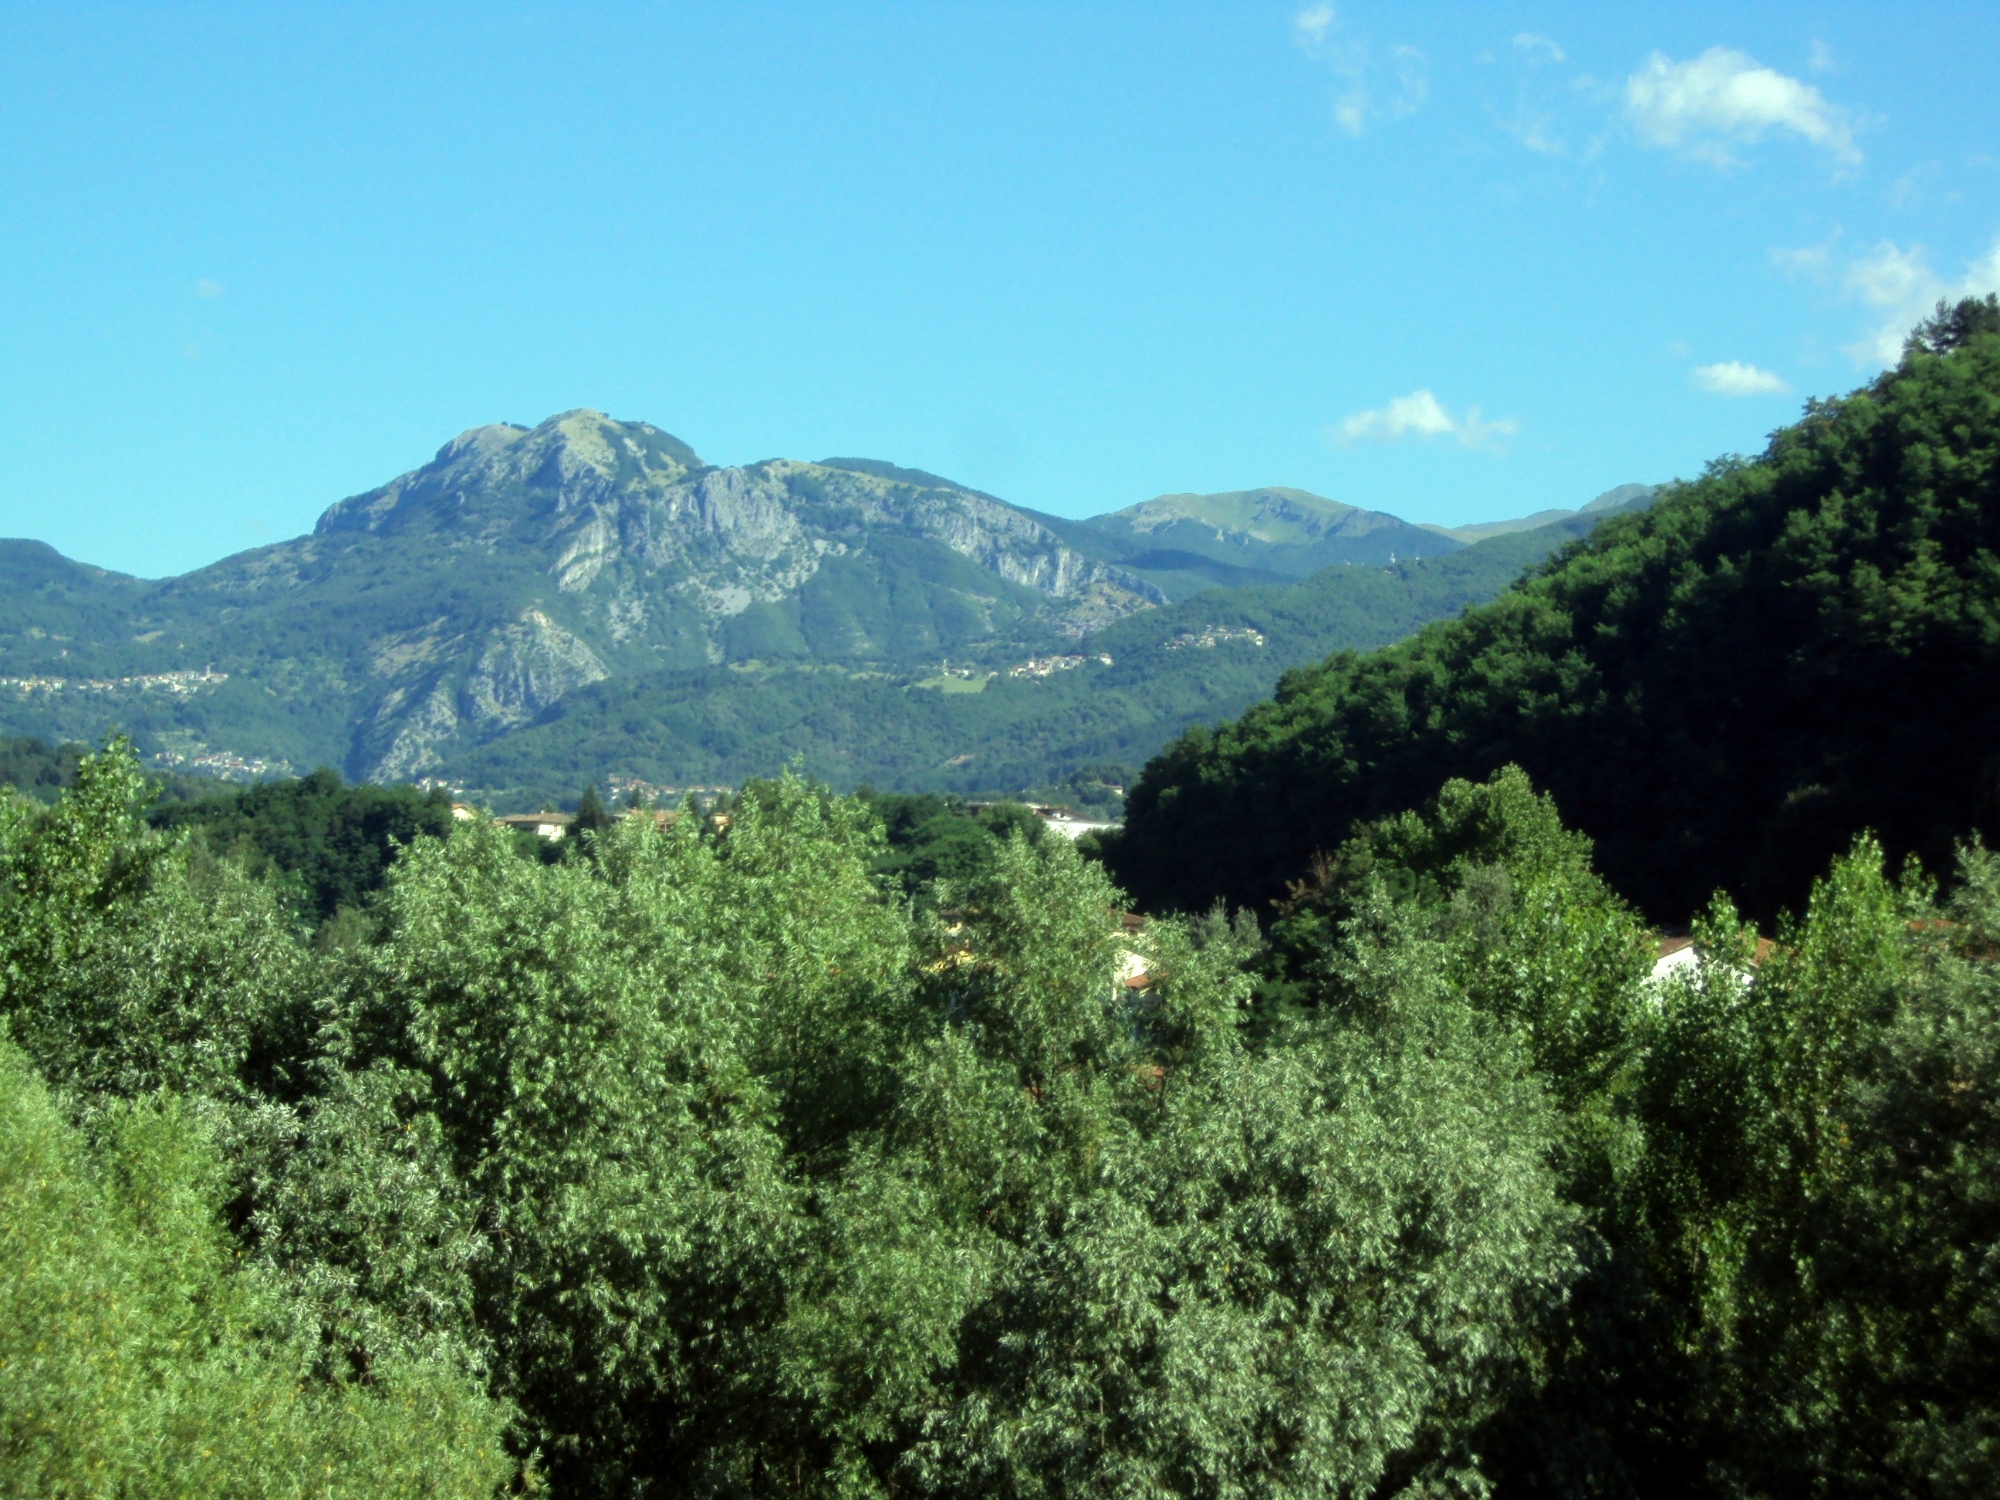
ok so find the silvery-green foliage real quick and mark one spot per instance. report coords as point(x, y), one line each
point(644, 1073)
point(1298, 1272)
point(134, 963)
point(1871, 1341)
point(138, 1357)
point(730, 1174)
point(356, 1206)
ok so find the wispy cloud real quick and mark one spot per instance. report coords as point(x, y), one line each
point(1735, 378)
point(1538, 48)
point(1723, 98)
point(1313, 23)
point(1373, 85)
point(1555, 110)
point(1810, 261)
point(1420, 415)
point(207, 290)
point(1901, 286)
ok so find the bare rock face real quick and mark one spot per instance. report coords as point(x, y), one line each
point(522, 669)
point(526, 667)
point(592, 494)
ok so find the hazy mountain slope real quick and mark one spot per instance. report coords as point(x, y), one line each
point(1175, 573)
point(52, 609)
point(1625, 497)
point(1283, 532)
point(1192, 662)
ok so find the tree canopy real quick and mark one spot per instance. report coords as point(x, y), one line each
point(711, 1165)
point(335, 841)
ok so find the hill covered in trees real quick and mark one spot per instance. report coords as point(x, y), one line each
point(1720, 689)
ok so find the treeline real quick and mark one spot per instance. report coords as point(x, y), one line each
point(1719, 690)
point(326, 846)
point(331, 842)
point(704, 1163)
point(36, 768)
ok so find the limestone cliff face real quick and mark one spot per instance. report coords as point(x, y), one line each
point(526, 667)
point(590, 546)
point(520, 670)
point(592, 493)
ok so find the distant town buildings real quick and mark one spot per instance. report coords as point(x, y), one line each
point(548, 825)
point(179, 684)
point(1215, 635)
point(1048, 666)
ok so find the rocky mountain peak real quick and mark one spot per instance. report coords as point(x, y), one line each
point(492, 475)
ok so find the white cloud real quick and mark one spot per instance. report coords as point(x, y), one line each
point(1901, 286)
point(1538, 47)
point(1372, 87)
point(1421, 415)
point(1734, 378)
point(1814, 262)
point(207, 289)
point(1419, 412)
point(1724, 97)
point(1820, 58)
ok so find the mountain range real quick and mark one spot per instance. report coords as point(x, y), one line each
point(588, 597)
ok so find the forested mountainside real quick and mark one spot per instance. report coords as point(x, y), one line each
point(456, 621)
point(1720, 690)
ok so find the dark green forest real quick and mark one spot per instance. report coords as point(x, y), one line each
point(1719, 689)
point(334, 842)
point(871, 1146)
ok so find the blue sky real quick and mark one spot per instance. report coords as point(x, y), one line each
point(1452, 262)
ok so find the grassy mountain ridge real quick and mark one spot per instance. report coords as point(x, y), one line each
point(1287, 532)
point(1612, 502)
